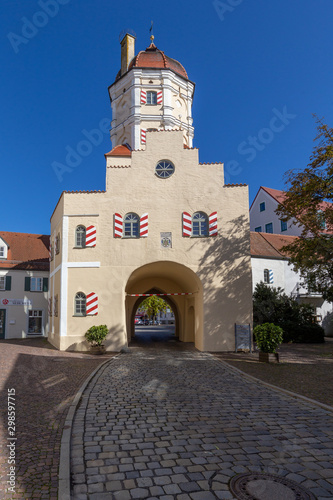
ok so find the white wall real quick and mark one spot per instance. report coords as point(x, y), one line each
point(285, 277)
point(17, 316)
point(258, 218)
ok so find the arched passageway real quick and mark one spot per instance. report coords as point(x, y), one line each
point(185, 297)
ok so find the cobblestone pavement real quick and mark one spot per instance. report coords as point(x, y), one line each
point(45, 382)
point(172, 423)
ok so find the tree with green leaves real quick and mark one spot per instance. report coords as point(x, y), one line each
point(153, 305)
point(308, 203)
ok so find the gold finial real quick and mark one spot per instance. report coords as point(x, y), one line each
point(151, 31)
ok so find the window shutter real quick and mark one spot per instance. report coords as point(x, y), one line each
point(8, 283)
point(118, 226)
point(271, 276)
point(92, 304)
point(213, 224)
point(144, 226)
point(187, 224)
point(45, 284)
point(143, 135)
point(160, 97)
point(91, 236)
point(27, 284)
point(143, 97)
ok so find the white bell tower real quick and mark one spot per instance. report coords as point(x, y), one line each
point(151, 92)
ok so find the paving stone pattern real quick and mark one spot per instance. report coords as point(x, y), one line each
point(168, 424)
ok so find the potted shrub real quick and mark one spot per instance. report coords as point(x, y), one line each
point(268, 337)
point(95, 336)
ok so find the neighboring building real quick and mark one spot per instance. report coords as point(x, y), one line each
point(165, 223)
point(271, 265)
point(263, 217)
point(24, 272)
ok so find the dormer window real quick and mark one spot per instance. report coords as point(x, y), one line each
point(152, 98)
point(3, 249)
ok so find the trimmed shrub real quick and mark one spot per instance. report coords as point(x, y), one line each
point(96, 334)
point(268, 337)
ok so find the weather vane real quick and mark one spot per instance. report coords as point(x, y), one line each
point(151, 32)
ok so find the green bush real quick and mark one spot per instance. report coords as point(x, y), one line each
point(268, 337)
point(96, 334)
point(272, 305)
point(306, 333)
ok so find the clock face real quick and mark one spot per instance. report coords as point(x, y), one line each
point(164, 169)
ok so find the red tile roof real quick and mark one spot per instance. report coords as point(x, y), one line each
point(152, 57)
point(26, 251)
point(277, 194)
point(121, 150)
point(269, 245)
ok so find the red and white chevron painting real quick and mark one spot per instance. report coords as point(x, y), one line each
point(160, 97)
point(143, 97)
point(144, 226)
point(118, 226)
point(213, 224)
point(143, 135)
point(91, 304)
point(91, 236)
point(187, 224)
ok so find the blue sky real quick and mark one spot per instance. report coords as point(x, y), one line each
point(261, 69)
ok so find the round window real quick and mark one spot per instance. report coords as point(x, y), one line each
point(164, 169)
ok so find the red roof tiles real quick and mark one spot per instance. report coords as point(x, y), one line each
point(26, 251)
point(152, 57)
point(121, 150)
point(269, 245)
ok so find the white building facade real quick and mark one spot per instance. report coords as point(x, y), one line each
point(271, 266)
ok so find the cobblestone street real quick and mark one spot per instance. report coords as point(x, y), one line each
point(169, 422)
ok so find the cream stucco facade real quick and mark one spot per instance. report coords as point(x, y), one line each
point(213, 272)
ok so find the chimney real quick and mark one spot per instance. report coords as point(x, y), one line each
point(127, 51)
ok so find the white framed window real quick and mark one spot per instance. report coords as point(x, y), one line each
point(80, 237)
point(262, 206)
point(80, 304)
point(2, 282)
point(164, 169)
point(257, 229)
point(3, 251)
point(199, 224)
point(35, 326)
point(131, 225)
point(36, 284)
point(152, 98)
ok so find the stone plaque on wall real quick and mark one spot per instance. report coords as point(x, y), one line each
point(166, 240)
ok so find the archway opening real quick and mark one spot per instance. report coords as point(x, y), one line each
point(181, 289)
point(156, 318)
